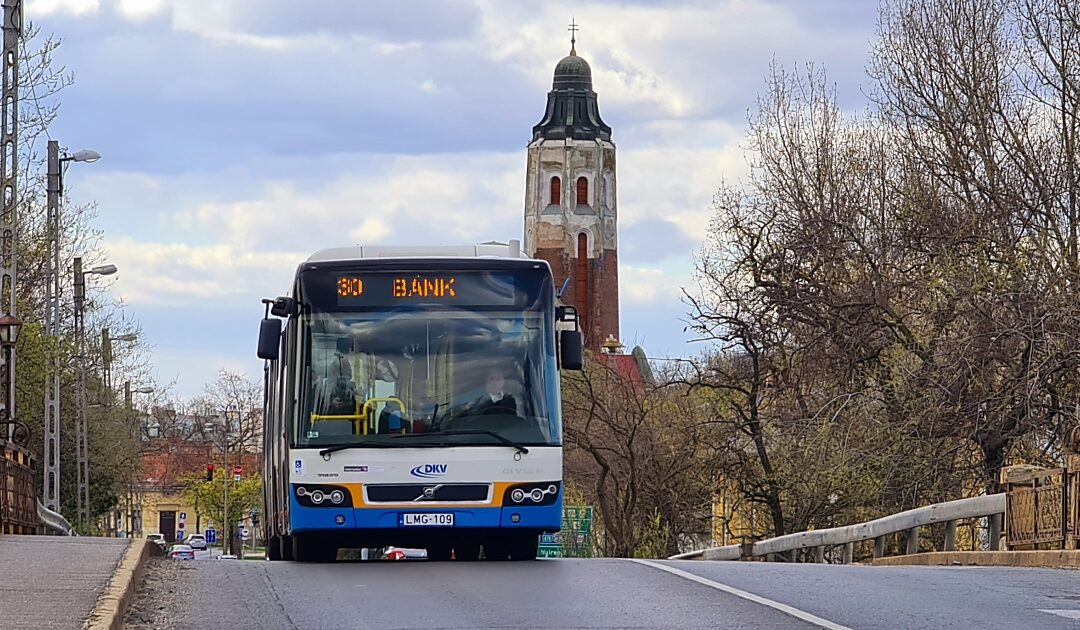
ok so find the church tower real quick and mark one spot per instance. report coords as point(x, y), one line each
point(570, 201)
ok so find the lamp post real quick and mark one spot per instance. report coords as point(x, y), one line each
point(231, 412)
point(55, 192)
point(107, 387)
point(9, 170)
point(133, 425)
point(81, 432)
point(9, 334)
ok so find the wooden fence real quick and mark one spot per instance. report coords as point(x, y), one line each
point(1042, 506)
point(18, 508)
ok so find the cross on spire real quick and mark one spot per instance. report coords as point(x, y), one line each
point(573, 35)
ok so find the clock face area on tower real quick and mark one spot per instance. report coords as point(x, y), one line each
point(571, 201)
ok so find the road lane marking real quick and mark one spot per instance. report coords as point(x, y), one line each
point(1068, 614)
point(757, 599)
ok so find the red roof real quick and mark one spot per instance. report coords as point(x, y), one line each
point(168, 462)
point(625, 366)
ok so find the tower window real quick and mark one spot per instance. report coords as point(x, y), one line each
point(582, 191)
point(556, 191)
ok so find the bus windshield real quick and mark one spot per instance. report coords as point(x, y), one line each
point(443, 372)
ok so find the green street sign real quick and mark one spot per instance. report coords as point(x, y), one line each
point(574, 541)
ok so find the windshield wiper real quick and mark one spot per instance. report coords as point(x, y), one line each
point(341, 447)
point(521, 448)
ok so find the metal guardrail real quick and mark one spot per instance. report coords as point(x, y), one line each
point(950, 512)
point(54, 521)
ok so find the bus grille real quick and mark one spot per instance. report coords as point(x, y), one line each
point(427, 492)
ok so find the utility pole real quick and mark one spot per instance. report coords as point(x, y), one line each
point(228, 472)
point(51, 489)
point(106, 404)
point(81, 436)
point(130, 421)
point(9, 190)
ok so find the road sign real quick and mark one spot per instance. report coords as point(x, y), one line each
point(211, 536)
point(179, 535)
point(183, 516)
point(574, 540)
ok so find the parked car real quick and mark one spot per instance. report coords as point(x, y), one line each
point(182, 552)
point(401, 553)
point(197, 541)
point(158, 539)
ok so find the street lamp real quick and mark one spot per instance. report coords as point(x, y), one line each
point(9, 334)
point(82, 155)
point(82, 434)
point(9, 330)
point(52, 419)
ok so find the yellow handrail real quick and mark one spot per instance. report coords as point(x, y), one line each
point(361, 417)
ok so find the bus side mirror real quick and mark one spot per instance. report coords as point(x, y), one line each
point(269, 338)
point(283, 307)
point(570, 349)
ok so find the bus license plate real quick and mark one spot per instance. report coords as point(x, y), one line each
point(428, 520)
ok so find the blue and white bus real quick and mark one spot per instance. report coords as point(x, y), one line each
point(412, 400)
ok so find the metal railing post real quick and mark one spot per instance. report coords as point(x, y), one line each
point(879, 547)
point(950, 536)
point(995, 532)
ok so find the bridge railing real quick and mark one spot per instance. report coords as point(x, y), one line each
point(991, 506)
point(17, 512)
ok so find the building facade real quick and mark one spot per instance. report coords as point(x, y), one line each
point(571, 201)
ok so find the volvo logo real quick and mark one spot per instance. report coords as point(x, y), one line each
point(428, 494)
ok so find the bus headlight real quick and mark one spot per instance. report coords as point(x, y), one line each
point(537, 493)
point(311, 495)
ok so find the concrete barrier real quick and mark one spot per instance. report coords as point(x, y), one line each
point(1056, 559)
point(108, 614)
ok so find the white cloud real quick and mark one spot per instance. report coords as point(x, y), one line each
point(158, 273)
point(647, 286)
point(45, 8)
point(140, 10)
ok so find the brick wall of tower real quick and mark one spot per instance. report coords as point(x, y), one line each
point(601, 307)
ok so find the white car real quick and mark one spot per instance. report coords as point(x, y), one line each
point(401, 553)
point(197, 541)
point(158, 539)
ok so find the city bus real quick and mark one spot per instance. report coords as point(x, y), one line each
point(412, 400)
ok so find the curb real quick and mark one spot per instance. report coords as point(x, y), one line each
point(1049, 559)
point(108, 613)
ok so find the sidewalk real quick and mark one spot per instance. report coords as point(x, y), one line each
point(53, 581)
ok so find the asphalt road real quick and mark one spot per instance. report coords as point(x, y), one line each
point(598, 594)
point(53, 581)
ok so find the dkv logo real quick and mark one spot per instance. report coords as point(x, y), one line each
point(429, 471)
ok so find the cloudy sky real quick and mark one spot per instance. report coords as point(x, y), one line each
point(239, 136)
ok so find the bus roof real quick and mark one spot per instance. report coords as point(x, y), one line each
point(482, 250)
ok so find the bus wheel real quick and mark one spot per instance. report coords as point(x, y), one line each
point(440, 552)
point(468, 550)
point(285, 548)
point(308, 548)
point(524, 547)
point(273, 548)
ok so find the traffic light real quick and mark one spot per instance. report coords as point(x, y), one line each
point(209, 472)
